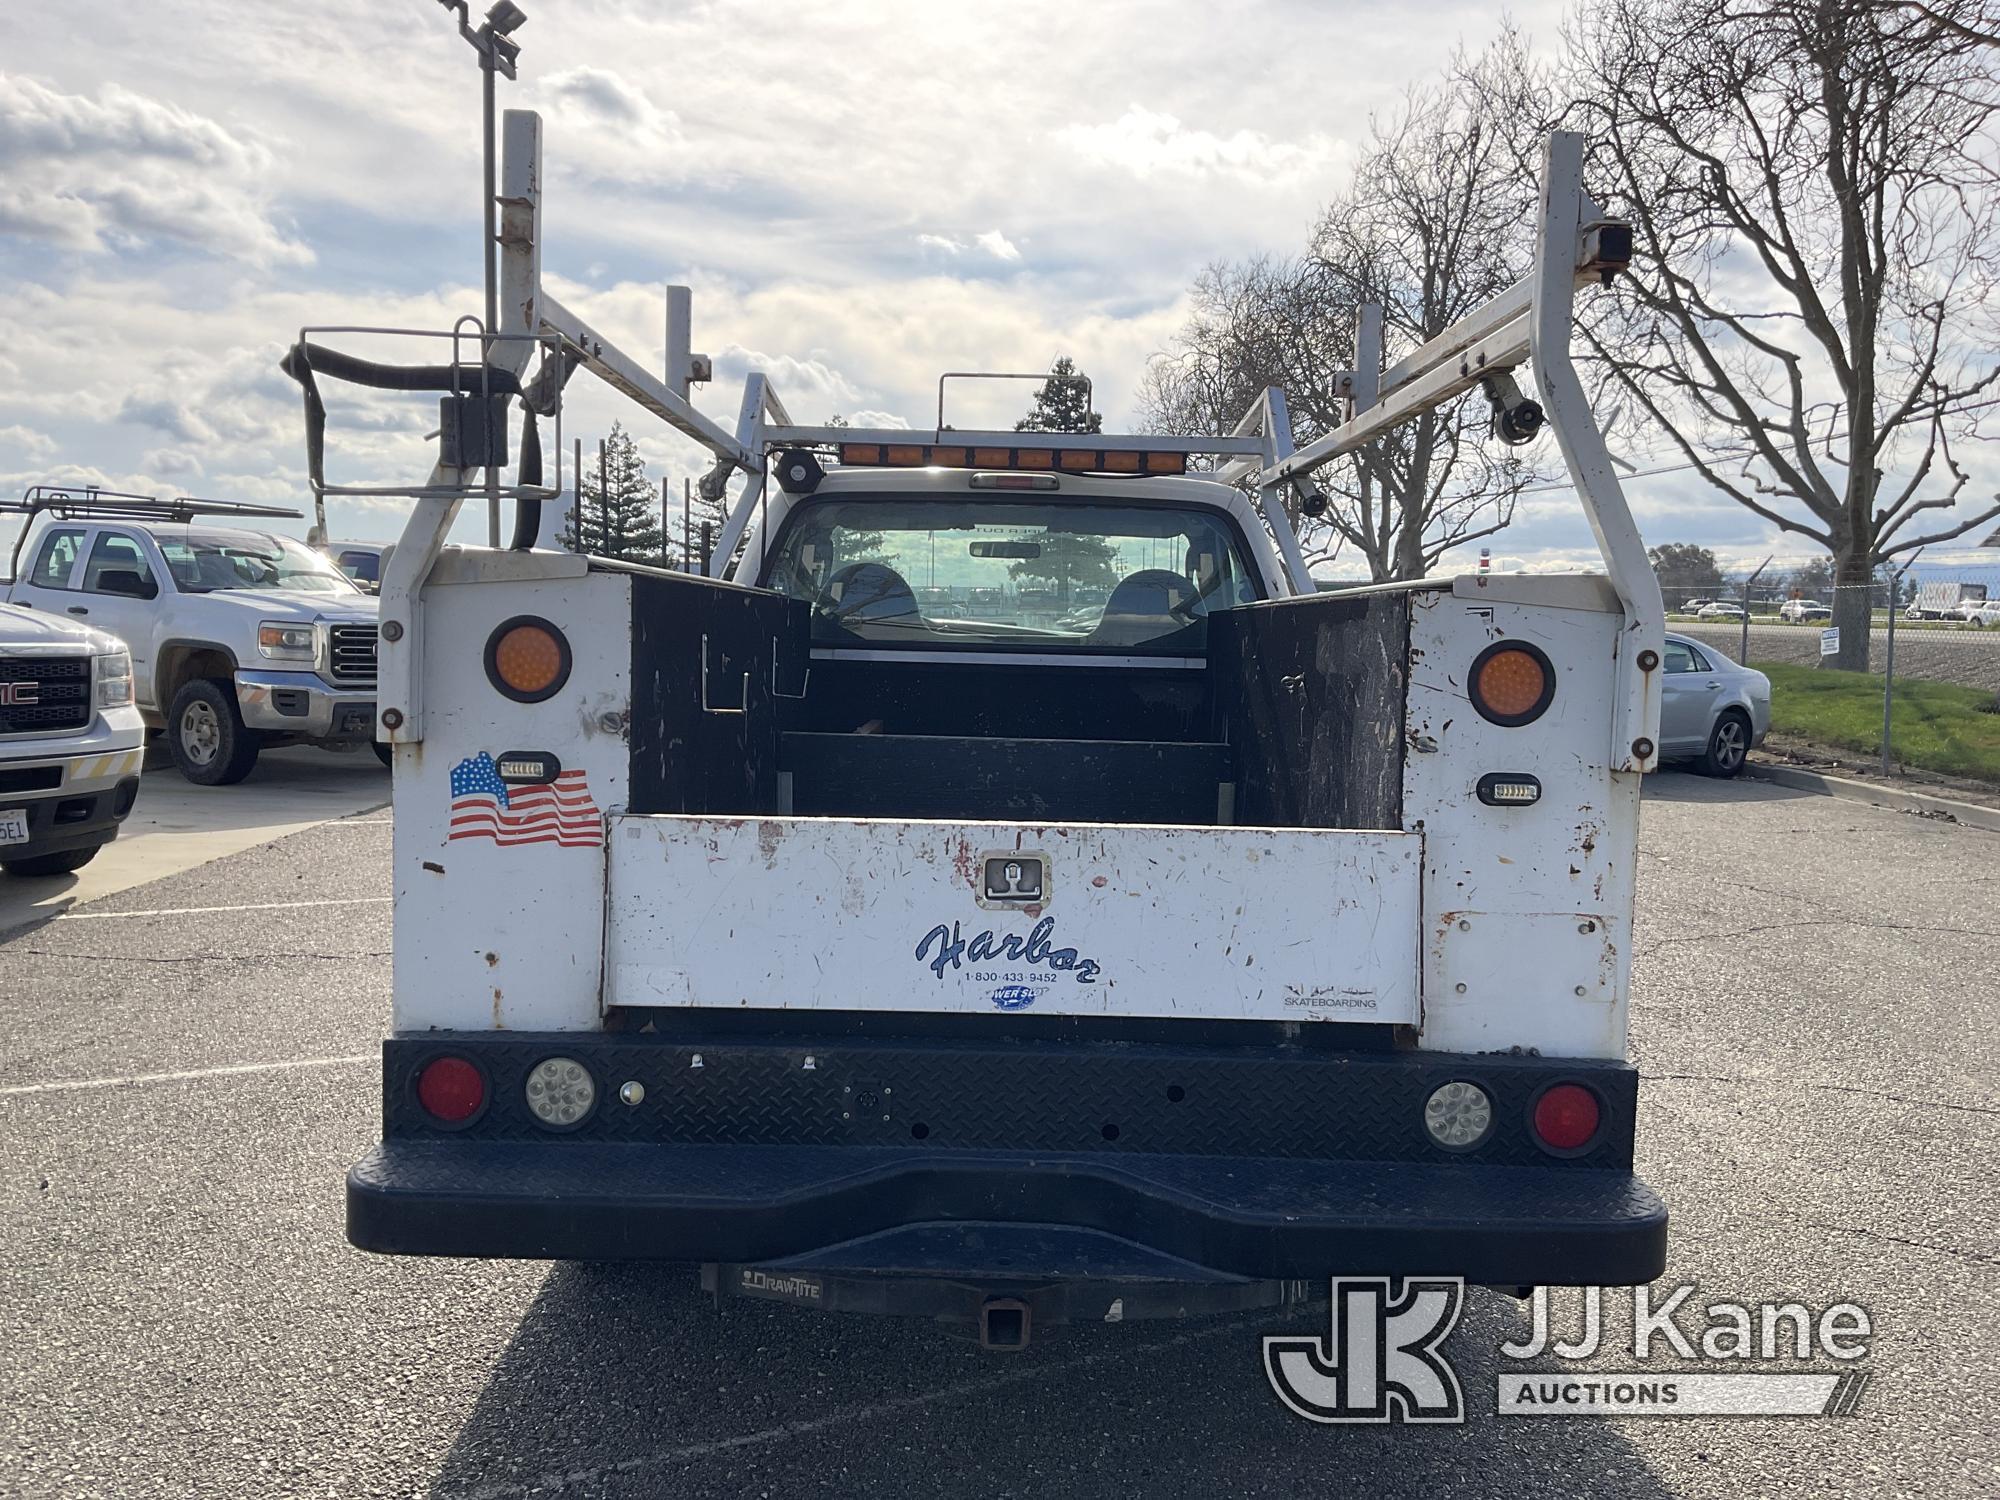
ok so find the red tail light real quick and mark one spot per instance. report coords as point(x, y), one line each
point(1566, 1117)
point(451, 1089)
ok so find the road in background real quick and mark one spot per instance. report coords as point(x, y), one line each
point(1947, 653)
point(179, 1314)
point(176, 825)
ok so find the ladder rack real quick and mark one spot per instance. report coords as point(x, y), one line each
point(1529, 324)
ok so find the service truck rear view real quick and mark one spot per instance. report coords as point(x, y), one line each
point(1009, 954)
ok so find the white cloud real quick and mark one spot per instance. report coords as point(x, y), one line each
point(27, 441)
point(173, 463)
point(992, 243)
point(598, 96)
point(122, 170)
point(806, 383)
point(1149, 143)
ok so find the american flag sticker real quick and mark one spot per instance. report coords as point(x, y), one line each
point(485, 807)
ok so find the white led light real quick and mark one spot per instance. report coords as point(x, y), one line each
point(1458, 1115)
point(560, 1091)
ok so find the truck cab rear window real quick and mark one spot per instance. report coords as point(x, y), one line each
point(1072, 575)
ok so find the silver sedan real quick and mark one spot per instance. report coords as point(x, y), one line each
point(1711, 710)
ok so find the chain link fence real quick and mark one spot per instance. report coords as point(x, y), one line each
point(1921, 687)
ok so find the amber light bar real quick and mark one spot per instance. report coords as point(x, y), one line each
point(1067, 460)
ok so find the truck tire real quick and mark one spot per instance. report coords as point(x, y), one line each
point(386, 754)
point(60, 863)
point(206, 735)
point(1728, 745)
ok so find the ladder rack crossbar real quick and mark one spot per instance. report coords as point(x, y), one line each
point(1462, 367)
point(802, 437)
point(68, 503)
point(622, 373)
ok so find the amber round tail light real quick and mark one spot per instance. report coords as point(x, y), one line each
point(1512, 683)
point(527, 659)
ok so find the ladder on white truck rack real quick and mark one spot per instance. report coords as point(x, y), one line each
point(1529, 324)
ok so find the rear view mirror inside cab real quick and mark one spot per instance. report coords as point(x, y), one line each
point(1006, 549)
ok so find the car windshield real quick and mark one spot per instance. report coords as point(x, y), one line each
point(1078, 575)
point(204, 561)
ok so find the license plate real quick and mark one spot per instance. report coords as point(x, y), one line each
point(13, 825)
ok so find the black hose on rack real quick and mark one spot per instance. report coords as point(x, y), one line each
point(528, 508)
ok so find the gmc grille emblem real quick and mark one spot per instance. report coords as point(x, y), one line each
point(12, 693)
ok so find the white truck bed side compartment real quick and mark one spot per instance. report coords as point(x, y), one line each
point(500, 909)
point(1527, 910)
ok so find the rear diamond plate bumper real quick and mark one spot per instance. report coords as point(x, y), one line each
point(1259, 1162)
point(1255, 1218)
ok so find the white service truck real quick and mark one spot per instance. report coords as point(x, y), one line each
point(240, 638)
point(70, 742)
point(1946, 600)
point(874, 947)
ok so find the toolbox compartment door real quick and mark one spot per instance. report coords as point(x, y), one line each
point(832, 914)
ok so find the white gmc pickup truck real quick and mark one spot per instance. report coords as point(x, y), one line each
point(239, 638)
point(70, 742)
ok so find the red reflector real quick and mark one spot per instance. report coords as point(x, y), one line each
point(1566, 1117)
point(451, 1089)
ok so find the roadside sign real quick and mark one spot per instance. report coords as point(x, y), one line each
point(1829, 641)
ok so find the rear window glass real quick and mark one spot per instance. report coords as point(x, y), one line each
point(929, 572)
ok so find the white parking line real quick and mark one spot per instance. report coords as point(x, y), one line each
point(75, 1084)
point(194, 911)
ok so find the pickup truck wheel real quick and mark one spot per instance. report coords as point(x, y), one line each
point(206, 735)
point(386, 754)
point(1728, 745)
point(51, 864)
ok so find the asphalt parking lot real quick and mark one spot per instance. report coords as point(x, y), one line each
point(186, 1069)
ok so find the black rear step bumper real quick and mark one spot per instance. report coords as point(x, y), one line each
point(1253, 1218)
point(985, 1159)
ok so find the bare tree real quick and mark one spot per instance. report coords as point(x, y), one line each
point(1814, 226)
point(1434, 222)
point(1976, 21)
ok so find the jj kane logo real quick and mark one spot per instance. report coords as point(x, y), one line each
point(1379, 1360)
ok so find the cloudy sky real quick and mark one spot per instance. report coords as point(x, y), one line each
point(862, 195)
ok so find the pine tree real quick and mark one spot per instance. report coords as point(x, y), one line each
point(1062, 404)
point(1070, 561)
point(615, 517)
